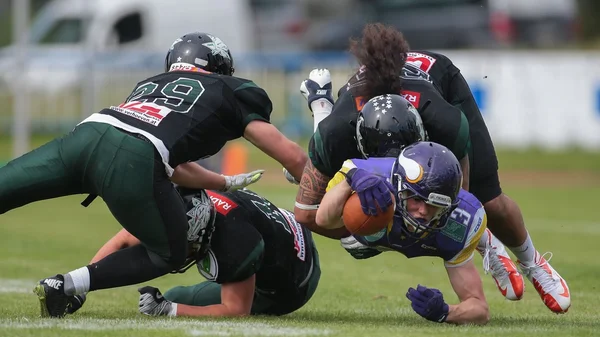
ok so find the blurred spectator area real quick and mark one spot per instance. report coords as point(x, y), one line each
point(301, 25)
point(427, 24)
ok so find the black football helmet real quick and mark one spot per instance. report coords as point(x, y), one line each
point(386, 124)
point(201, 214)
point(201, 50)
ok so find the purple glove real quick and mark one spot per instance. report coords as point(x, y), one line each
point(373, 190)
point(429, 303)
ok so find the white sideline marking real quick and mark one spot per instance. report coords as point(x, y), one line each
point(199, 328)
point(16, 285)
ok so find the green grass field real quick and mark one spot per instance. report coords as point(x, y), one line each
point(558, 194)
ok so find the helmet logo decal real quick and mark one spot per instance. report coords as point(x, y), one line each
point(208, 267)
point(217, 46)
point(414, 171)
point(174, 43)
point(382, 105)
point(200, 216)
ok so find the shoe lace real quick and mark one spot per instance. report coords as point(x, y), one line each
point(486, 260)
point(492, 263)
point(546, 280)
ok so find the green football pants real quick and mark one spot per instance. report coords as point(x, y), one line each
point(124, 170)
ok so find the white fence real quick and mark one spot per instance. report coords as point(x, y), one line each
point(545, 99)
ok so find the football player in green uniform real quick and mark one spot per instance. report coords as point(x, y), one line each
point(131, 154)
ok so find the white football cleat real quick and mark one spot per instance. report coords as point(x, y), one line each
point(549, 284)
point(317, 87)
point(498, 263)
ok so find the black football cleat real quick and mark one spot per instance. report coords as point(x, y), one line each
point(53, 301)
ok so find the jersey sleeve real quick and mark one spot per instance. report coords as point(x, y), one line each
point(236, 253)
point(253, 102)
point(476, 230)
point(340, 175)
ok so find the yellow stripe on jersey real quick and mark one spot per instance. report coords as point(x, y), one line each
point(341, 174)
point(470, 243)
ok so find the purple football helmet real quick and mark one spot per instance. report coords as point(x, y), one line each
point(431, 172)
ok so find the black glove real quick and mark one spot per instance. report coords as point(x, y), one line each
point(76, 303)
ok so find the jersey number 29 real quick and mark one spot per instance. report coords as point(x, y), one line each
point(179, 95)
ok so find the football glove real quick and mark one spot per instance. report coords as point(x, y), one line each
point(289, 177)
point(317, 87)
point(429, 303)
point(239, 181)
point(357, 249)
point(373, 190)
point(152, 303)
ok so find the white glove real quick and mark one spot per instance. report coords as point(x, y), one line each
point(357, 249)
point(317, 86)
point(317, 90)
point(239, 181)
point(152, 303)
point(290, 178)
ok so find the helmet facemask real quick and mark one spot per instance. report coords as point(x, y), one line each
point(413, 226)
point(428, 172)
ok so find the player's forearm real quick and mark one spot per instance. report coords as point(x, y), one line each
point(215, 310)
point(329, 214)
point(294, 160)
point(307, 219)
point(471, 311)
point(277, 146)
point(192, 175)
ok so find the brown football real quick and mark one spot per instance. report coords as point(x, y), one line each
point(357, 222)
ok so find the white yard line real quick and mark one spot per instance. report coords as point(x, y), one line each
point(199, 328)
point(16, 285)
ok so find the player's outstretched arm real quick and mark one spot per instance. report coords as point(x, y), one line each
point(236, 300)
point(271, 141)
point(467, 285)
point(472, 309)
point(192, 175)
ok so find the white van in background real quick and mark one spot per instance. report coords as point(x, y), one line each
point(150, 25)
point(66, 32)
